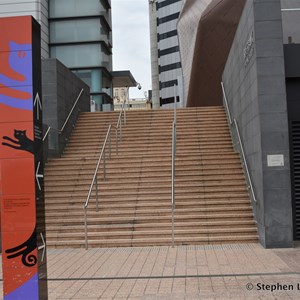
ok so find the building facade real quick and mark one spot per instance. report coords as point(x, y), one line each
point(78, 33)
point(37, 8)
point(81, 38)
point(168, 56)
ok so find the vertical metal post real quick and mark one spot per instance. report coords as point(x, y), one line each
point(85, 228)
point(125, 106)
point(175, 102)
point(121, 130)
point(117, 152)
point(104, 165)
point(97, 200)
point(173, 238)
point(109, 145)
point(173, 177)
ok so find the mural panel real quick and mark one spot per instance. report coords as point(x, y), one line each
point(21, 163)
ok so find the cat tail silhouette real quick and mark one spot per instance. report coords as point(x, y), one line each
point(24, 250)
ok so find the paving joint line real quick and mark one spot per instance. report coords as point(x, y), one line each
point(172, 276)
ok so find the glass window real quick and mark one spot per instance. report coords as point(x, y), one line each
point(73, 8)
point(78, 56)
point(96, 80)
point(78, 31)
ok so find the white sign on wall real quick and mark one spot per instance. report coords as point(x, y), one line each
point(275, 160)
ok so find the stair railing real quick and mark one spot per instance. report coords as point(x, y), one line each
point(67, 119)
point(118, 127)
point(233, 123)
point(173, 163)
point(102, 157)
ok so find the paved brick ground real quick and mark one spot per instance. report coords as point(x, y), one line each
point(186, 272)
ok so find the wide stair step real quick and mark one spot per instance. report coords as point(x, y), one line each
point(211, 196)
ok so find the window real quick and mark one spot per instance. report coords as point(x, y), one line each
point(78, 56)
point(73, 8)
point(78, 31)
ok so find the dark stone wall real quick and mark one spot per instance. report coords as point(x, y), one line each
point(60, 91)
point(254, 80)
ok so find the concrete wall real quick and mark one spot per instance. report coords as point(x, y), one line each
point(254, 80)
point(60, 89)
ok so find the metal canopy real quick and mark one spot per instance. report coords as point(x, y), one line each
point(123, 79)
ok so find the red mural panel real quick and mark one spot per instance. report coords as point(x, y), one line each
point(21, 178)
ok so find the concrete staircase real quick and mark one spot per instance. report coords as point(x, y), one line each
point(212, 202)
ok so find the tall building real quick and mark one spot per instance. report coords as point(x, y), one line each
point(81, 38)
point(37, 8)
point(78, 33)
point(168, 56)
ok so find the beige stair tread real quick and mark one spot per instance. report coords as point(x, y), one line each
point(212, 201)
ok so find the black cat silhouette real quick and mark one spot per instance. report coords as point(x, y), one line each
point(22, 141)
point(24, 250)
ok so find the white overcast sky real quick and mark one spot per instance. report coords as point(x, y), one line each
point(131, 41)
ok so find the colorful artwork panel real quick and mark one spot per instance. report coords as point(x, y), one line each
point(21, 161)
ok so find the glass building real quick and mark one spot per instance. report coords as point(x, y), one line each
point(81, 38)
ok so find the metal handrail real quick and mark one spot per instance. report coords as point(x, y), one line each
point(226, 104)
point(67, 119)
point(119, 126)
point(173, 164)
point(240, 143)
point(70, 113)
point(95, 180)
point(47, 132)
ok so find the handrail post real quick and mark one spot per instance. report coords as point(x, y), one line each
point(121, 131)
point(97, 199)
point(117, 151)
point(125, 109)
point(109, 145)
point(175, 103)
point(104, 165)
point(173, 234)
point(173, 163)
point(173, 176)
point(85, 228)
